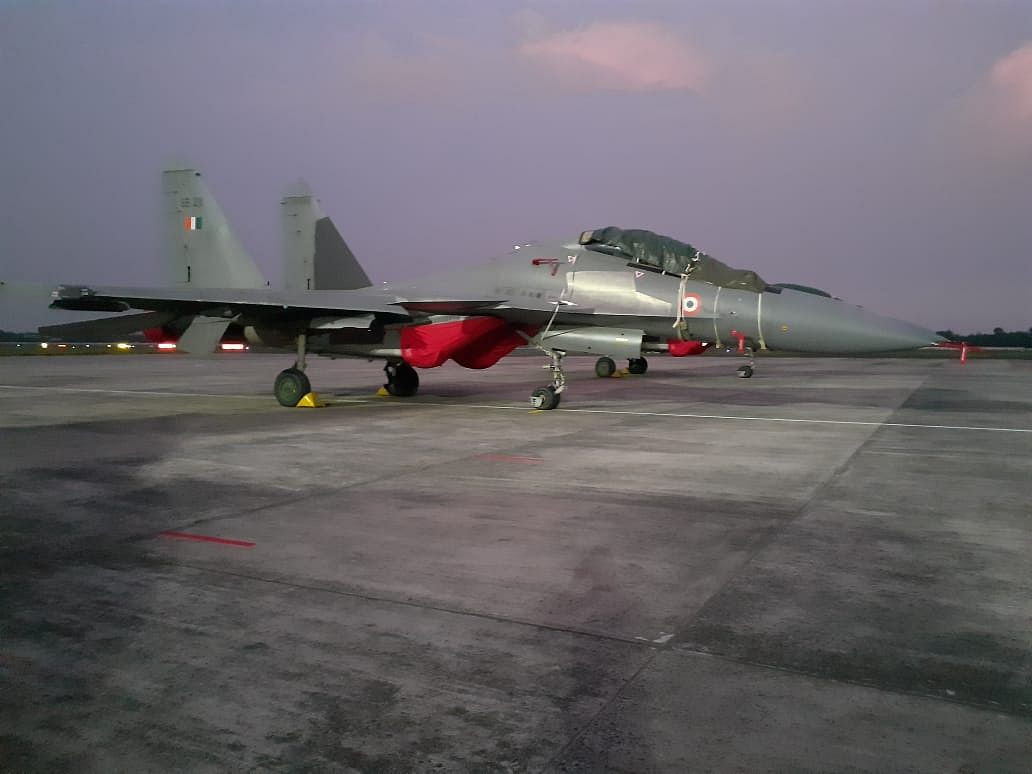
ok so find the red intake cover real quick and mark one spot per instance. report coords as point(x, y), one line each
point(680, 348)
point(476, 342)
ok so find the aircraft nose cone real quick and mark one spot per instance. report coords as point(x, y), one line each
point(810, 323)
point(888, 335)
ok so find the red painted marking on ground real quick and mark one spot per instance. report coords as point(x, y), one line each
point(511, 458)
point(207, 539)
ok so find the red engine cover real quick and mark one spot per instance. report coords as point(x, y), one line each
point(680, 348)
point(476, 342)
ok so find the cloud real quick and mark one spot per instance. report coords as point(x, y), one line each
point(1011, 79)
point(991, 124)
point(620, 56)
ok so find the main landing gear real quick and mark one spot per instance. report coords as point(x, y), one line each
point(606, 366)
point(402, 380)
point(547, 398)
point(292, 384)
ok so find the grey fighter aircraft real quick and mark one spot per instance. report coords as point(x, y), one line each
point(612, 293)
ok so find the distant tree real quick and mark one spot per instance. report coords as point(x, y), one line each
point(15, 336)
point(998, 338)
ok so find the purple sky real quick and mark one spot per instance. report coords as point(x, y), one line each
point(881, 151)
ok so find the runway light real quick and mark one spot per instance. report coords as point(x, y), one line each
point(233, 346)
point(166, 345)
point(123, 345)
point(43, 345)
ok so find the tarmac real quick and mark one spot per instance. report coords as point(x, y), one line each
point(827, 567)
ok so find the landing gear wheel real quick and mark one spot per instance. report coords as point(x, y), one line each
point(605, 367)
point(637, 365)
point(544, 398)
point(744, 372)
point(291, 386)
point(402, 380)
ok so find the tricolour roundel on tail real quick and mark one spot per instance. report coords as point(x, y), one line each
point(200, 249)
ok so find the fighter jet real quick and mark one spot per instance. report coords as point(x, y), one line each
point(612, 293)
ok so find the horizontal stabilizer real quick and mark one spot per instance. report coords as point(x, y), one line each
point(106, 328)
point(203, 335)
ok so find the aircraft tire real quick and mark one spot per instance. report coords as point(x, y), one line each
point(605, 367)
point(745, 372)
point(637, 365)
point(544, 398)
point(403, 382)
point(291, 386)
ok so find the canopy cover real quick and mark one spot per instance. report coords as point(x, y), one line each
point(670, 255)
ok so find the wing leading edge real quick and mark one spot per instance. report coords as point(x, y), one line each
point(258, 303)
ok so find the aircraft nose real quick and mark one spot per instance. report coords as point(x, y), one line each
point(810, 323)
point(887, 335)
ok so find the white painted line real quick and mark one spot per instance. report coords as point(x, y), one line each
point(751, 419)
point(662, 639)
point(528, 409)
point(146, 393)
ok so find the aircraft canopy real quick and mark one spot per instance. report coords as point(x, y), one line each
point(670, 255)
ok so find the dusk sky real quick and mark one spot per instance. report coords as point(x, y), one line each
point(879, 150)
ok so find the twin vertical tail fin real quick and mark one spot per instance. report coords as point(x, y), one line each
point(200, 248)
point(202, 251)
point(315, 256)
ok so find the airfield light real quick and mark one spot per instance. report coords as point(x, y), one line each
point(123, 345)
point(166, 345)
point(43, 345)
point(233, 346)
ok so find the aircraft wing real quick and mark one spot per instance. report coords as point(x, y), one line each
point(457, 306)
point(260, 304)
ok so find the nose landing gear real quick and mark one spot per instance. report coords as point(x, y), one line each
point(547, 398)
point(745, 371)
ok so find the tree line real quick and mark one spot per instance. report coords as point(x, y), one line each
point(998, 338)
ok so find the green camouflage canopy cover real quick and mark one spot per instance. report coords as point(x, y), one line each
point(672, 256)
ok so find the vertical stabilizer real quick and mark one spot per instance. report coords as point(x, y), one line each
point(315, 256)
point(201, 250)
